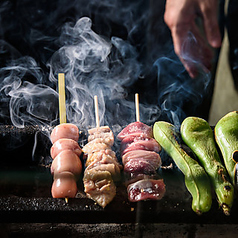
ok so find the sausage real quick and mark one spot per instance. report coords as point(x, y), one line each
point(65, 144)
point(65, 130)
point(67, 161)
point(64, 186)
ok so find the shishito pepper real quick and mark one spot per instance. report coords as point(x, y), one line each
point(226, 135)
point(196, 179)
point(198, 135)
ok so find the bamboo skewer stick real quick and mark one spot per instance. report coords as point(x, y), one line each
point(137, 107)
point(96, 111)
point(62, 106)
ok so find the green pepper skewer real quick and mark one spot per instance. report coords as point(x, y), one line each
point(198, 135)
point(226, 135)
point(196, 179)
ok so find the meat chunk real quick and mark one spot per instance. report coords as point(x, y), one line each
point(65, 130)
point(65, 144)
point(99, 186)
point(102, 160)
point(64, 186)
point(136, 129)
point(95, 145)
point(146, 189)
point(139, 143)
point(66, 161)
point(104, 133)
point(136, 167)
point(150, 156)
point(100, 155)
point(113, 169)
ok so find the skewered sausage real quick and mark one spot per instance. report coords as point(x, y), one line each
point(66, 166)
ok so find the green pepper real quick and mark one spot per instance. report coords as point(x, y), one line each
point(196, 179)
point(226, 135)
point(198, 135)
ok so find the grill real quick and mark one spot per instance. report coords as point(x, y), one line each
point(25, 198)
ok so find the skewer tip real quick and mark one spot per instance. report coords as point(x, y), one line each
point(137, 107)
point(62, 106)
point(96, 110)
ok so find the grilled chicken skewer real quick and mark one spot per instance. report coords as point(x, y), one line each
point(102, 167)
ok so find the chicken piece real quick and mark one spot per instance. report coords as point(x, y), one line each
point(113, 168)
point(99, 186)
point(103, 132)
point(102, 167)
point(100, 155)
point(95, 145)
point(104, 160)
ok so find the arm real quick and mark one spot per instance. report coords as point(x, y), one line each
point(190, 44)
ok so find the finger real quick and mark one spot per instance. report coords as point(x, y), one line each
point(194, 67)
point(192, 49)
point(180, 36)
point(190, 67)
point(200, 59)
point(184, 55)
point(211, 27)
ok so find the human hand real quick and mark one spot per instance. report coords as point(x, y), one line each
point(192, 45)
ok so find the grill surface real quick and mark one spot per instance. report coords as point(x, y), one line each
point(25, 194)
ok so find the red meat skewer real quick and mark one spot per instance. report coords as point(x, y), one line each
point(141, 160)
